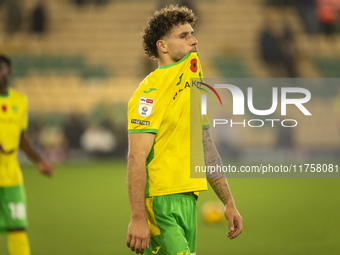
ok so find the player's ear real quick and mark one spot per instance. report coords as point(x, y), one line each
point(162, 46)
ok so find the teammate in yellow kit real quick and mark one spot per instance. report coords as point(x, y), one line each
point(162, 195)
point(13, 122)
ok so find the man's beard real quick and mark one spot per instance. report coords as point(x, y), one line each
point(178, 56)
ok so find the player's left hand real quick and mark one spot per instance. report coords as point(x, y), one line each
point(45, 168)
point(2, 150)
point(235, 221)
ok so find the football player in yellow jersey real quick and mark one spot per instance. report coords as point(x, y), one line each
point(161, 193)
point(13, 122)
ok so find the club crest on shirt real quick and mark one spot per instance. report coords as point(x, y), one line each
point(145, 106)
point(15, 108)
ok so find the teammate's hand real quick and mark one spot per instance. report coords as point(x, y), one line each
point(2, 150)
point(138, 237)
point(235, 221)
point(45, 168)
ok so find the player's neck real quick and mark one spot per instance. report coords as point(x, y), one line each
point(165, 62)
point(164, 59)
point(3, 90)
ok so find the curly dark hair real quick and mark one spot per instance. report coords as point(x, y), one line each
point(6, 60)
point(161, 23)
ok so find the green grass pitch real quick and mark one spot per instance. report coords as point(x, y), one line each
point(84, 210)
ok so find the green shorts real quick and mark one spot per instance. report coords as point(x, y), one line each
point(12, 208)
point(173, 224)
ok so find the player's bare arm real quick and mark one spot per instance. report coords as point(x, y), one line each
point(140, 145)
point(43, 166)
point(220, 186)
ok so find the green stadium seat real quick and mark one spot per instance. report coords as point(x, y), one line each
point(231, 66)
point(22, 65)
point(329, 67)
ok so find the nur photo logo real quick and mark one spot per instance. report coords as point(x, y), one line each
point(243, 104)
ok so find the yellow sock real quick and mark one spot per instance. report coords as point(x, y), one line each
point(18, 243)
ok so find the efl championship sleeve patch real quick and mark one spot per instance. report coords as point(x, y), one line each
point(145, 106)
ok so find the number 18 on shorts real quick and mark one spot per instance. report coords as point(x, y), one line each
point(12, 208)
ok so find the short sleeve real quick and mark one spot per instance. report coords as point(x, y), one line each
point(206, 123)
point(145, 114)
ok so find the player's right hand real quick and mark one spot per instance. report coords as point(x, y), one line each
point(235, 221)
point(138, 237)
point(45, 168)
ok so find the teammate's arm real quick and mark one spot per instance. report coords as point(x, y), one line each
point(140, 145)
point(43, 167)
point(220, 185)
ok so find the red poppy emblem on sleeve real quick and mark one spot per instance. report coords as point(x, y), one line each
point(193, 66)
point(4, 108)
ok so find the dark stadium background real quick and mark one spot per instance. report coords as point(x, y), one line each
point(79, 70)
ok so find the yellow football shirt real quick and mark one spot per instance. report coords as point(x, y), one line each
point(161, 105)
point(13, 120)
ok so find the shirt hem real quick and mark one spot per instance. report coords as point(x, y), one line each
point(11, 185)
point(194, 190)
